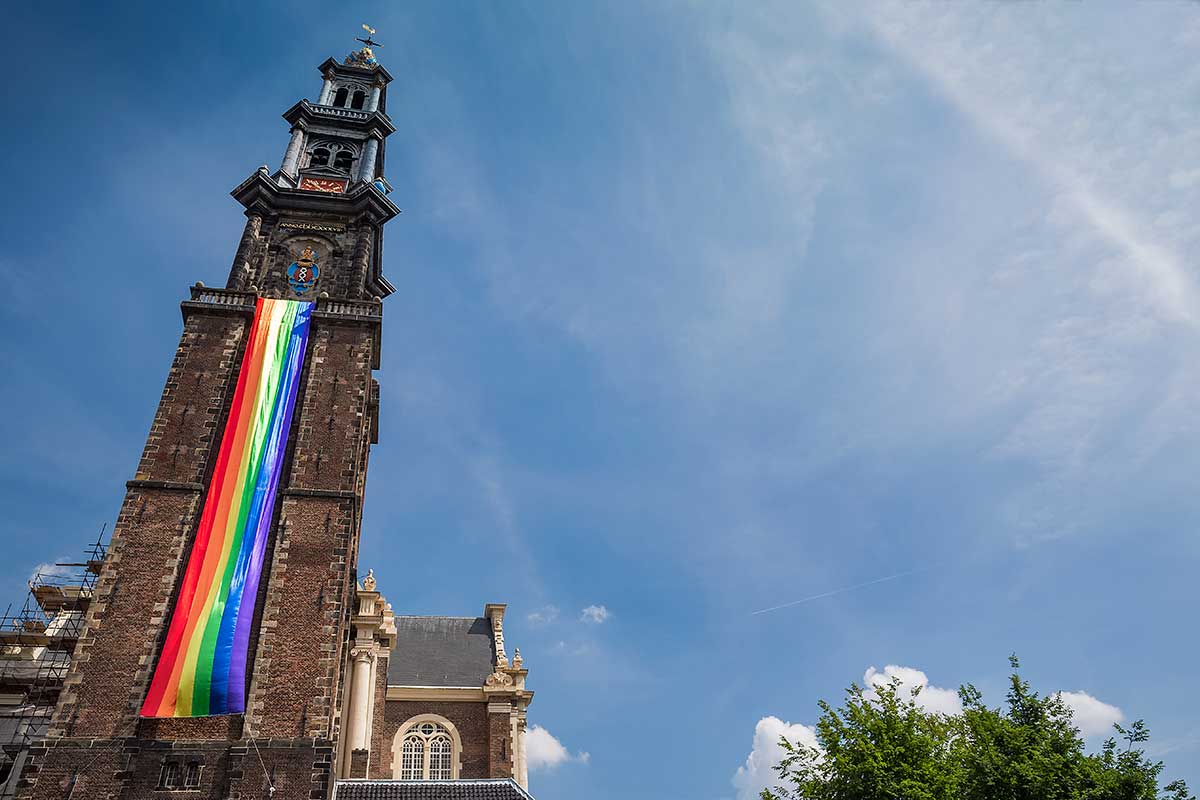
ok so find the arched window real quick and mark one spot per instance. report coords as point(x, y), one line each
point(343, 160)
point(320, 158)
point(339, 99)
point(412, 766)
point(441, 755)
point(358, 100)
point(426, 748)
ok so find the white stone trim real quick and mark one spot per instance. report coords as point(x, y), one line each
point(459, 694)
point(409, 724)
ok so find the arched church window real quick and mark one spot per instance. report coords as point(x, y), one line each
point(339, 99)
point(412, 767)
point(428, 749)
point(343, 160)
point(441, 753)
point(320, 158)
point(358, 100)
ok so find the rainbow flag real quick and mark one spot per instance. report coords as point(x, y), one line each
point(202, 668)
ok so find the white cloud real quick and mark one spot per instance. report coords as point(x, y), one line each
point(1093, 717)
point(596, 615)
point(544, 751)
point(542, 616)
point(758, 772)
point(930, 698)
point(52, 570)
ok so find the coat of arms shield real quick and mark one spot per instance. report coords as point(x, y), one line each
point(303, 272)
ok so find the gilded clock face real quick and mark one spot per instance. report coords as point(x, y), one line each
point(323, 185)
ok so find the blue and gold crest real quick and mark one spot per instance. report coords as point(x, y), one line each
point(303, 273)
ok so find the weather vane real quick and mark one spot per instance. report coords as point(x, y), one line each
point(367, 41)
point(364, 57)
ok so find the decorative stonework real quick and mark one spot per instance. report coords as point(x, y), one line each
point(304, 272)
point(364, 58)
point(495, 613)
point(498, 679)
point(304, 225)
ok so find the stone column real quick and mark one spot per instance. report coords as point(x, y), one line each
point(291, 158)
point(366, 170)
point(240, 271)
point(522, 763)
point(360, 698)
point(326, 91)
point(373, 100)
point(360, 264)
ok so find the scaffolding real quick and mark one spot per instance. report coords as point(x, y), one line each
point(36, 644)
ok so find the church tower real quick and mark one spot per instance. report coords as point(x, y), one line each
point(216, 649)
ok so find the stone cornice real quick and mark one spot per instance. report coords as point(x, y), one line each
point(349, 70)
point(262, 195)
point(458, 694)
point(370, 123)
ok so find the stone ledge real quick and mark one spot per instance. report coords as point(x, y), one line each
point(299, 491)
point(173, 486)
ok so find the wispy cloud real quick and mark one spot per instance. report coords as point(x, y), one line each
point(843, 589)
point(542, 616)
point(595, 615)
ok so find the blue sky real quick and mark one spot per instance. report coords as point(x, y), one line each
point(701, 309)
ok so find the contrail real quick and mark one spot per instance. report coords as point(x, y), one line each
point(843, 589)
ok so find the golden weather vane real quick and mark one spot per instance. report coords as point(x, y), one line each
point(368, 41)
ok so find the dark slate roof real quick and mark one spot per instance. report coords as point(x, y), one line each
point(495, 789)
point(441, 651)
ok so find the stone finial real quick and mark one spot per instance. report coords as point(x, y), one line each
point(517, 660)
point(369, 581)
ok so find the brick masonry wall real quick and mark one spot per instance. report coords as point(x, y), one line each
point(499, 746)
point(470, 719)
point(267, 250)
point(297, 676)
point(381, 744)
point(112, 664)
point(195, 399)
point(305, 596)
point(131, 769)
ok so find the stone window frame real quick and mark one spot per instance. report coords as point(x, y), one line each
point(351, 88)
point(177, 775)
point(406, 728)
point(334, 147)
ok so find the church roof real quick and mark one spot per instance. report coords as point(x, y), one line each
point(494, 789)
point(441, 651)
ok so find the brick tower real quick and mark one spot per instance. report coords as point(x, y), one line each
point(269, 407)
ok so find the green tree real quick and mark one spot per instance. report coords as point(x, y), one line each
point(881, 745)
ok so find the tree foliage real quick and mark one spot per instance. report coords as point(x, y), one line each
point(880, 744)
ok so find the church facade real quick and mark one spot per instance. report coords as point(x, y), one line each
point(231, 649)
